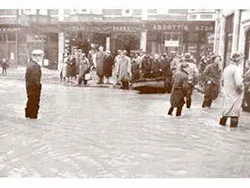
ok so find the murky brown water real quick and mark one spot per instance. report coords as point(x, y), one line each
point(99, 132)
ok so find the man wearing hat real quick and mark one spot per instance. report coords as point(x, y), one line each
point(33, 84)
point(178, 92)
point(192, 71)
point(166, 71)
point(232, 82)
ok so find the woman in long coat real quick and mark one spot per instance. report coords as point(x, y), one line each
point(84, 67)
point(180, 84)
point(124, 70)
point(233, 91)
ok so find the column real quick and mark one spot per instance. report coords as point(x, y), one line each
point(222, 39)
point(216, 33)
point(17, 50)
point(236, 22)
point(107, 43)
point(143, 42)
point(242, 40)
point(60, 50)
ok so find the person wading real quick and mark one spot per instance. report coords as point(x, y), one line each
point(233, 87)
point(180, 82)
point(211, 77)
point(33, 84)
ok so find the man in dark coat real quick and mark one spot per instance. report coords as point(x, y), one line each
point(135, 68)
point(107, 66)
point(155, 67)
point(33, 84)
point(211, 77)
point(146, 66)
point(166, 71)
point(178, 93)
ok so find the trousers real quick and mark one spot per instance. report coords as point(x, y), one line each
point(33, 95)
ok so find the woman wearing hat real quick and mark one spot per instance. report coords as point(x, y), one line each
point(233, 90)
point(211, 76)
point(33, 84)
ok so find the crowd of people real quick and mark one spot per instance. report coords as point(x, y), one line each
point(182, 72)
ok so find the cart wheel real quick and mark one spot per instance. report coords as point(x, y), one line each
point(85, 82)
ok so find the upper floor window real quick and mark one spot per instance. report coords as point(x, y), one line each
point(127, 12)
point(162, 11)
point(43, 12)
point(152, 11)
point(96, 11)
point(30, 11)
point(82, 11)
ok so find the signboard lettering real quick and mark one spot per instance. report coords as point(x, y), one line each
point(171, 43)
point(207, 27)
point(9, 29)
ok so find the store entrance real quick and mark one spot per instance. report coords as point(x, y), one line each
point(127, 42)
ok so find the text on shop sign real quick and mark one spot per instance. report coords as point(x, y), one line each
point(182, 27)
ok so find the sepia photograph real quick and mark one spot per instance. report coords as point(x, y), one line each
point(124, 93)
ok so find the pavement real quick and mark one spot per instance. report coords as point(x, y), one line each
point(96, 132)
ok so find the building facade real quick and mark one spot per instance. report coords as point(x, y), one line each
point(233, 34)
point(152, 30)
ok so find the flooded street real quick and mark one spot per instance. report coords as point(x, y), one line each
point(102, 132)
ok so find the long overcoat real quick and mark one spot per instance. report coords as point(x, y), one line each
point(233, 90)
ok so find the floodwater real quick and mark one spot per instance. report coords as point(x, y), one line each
point(100, 132)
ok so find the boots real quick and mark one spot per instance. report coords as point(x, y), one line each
point(178, 112)
point(204, 104)
point(170, 111)
point(234, 122)
point(223, 121)
point(189, 101)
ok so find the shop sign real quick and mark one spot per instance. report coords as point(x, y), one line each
point(209, 27)
point(9, 29)
point(103, 29)
point(171, 43)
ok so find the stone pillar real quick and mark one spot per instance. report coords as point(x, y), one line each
point(107, 43)
point(222, 39)
point(61, 39)
point(143, 43)
point(236, 28)
point(242, 39)
point(216, 33)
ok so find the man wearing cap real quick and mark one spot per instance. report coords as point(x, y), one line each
point(33, 84)
point(232, 82)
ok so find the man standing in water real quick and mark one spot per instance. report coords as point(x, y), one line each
point(33, 84)
point(233, 90)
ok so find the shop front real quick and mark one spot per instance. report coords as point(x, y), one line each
point(9, 43)
point(112, 36)
point(164, 37)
